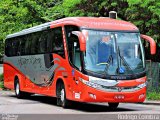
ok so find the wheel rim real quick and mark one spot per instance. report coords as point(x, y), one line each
point(17, 89)
point(62, 95)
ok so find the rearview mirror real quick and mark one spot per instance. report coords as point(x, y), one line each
point(82, 40)
point(152, 43)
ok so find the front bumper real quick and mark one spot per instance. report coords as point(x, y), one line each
point(90, 94)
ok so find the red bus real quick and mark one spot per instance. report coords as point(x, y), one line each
point(84, 59)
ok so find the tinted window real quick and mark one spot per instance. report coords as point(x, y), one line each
point(50, 39)
point(41, 42)
point(22, 45)
point(58, 46)
point(74, 51)
point(15, 46)
point(27, 45)
point(73, 46)
point(34, 43)
point(8, 47)
point(69, 29)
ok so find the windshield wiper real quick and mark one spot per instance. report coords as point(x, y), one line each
point(121, 58)
point(124, 61)
point(103, 63)
point(110, 59)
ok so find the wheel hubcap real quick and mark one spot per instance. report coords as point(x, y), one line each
point(62, 95)
point(17, 89)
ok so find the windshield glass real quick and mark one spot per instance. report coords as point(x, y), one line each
point(113, 53)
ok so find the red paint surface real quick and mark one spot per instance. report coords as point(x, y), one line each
point(10, 71)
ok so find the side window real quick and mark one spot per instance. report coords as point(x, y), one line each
point(8, 47)
point(50, 38)
point(73, 46)
point(42, 42)
point(18, 50)
point(15, 46)
point(58, 46)
point(34, 43)
point(47, 41)
point(74, 51)
point(12, 47)
point(27, 45)
point(22, 45)
point(69, 29)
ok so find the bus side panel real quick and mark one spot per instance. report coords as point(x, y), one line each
point(10, 72)
point(8, 76)
point(63, 71)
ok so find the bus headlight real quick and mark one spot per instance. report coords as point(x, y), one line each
point(103, 82)
point(142, 85)
point(110, 85)
point(91, 84)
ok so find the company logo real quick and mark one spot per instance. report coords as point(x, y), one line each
point(121, 70)
point(120, 89)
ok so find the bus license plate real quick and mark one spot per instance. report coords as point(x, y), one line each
point(119, 97)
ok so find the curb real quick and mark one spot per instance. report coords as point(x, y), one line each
point(6, 92)
point(151, 102)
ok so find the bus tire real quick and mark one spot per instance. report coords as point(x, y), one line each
point(61, 96)
point(18, 92)
point(113, 106)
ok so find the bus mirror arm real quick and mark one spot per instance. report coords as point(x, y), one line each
point(82, 40)
point(152, 43)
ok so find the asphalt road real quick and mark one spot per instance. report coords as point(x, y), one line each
point(38, 104)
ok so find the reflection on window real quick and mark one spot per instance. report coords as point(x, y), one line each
point(108, 51)
point(41, 42)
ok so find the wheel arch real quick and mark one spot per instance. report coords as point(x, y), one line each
point(18, 76)
point(61, 80)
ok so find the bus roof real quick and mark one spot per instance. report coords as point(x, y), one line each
point(103, 23)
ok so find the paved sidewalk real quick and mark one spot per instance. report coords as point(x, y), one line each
point(151, 102)
point(6, 92)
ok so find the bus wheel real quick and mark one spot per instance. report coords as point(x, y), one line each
point(18, 92)
point(61, 96)
point(113, 106)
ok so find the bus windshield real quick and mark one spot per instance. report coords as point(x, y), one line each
point(114, 53)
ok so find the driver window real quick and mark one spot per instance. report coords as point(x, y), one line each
point(73, 46)
point(74, 51)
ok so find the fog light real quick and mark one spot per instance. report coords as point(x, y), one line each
point(141, 96)
point(92, 96)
